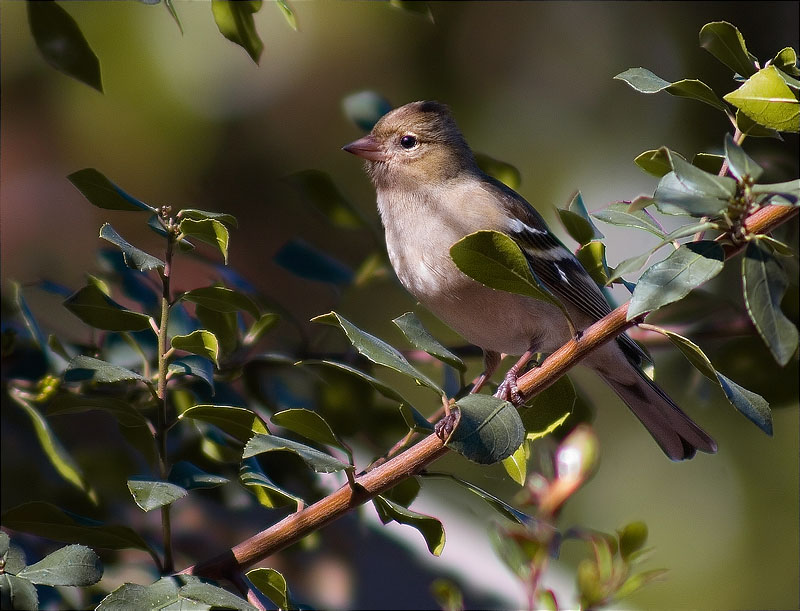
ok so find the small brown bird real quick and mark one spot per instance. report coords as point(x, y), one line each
point(431, 194)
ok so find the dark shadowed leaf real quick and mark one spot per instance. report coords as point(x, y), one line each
point(632, 538)
point(224, 326)
point(257, 330)
point(429, 527)
point(673, 278)
point(503, 508)
point(364, 108)
point(318, 461)
point(188, 476)
point(149, 494)
point(502, 171)
point(548, 409)
point(310, 425)
point(305, 261)
point(593, 258)
point(210, 231)
point(62, 44)
point(101, 192)
point(377, 350)
point(490, 429)
point(73, 565)
point(196, 366)
point(69, 403)
point(403, 493)
point(235, 22)
point(171, 8)
point(726, 43)
point(268, 493)
point(46, 520)
point(180, 592)
point(767, 99)
point(412, 328)
point(753, 406)
point(134, 257)
point(201, 342)
point(780, 193)
point(98, 310)
point(17, 593)
point(655, 162)
point(644, 81)
point(577, 222)
point(239, 422)
point(765, 283)
point(752, 129)
point(221, 299)
point(318, 189)
point(739, 162)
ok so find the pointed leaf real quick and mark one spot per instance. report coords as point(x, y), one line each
point(318, 461)
point(318, 189)
point(150, 495)
point(235, 22)
point(502, 171)
point(272, 585)
point(69, 403)
point(210, 231)
point(73, 565)
point(221, 299)
point(364, 108)
point(489, 430)
point(621, 215)
point(693, 354)
point(98, 310)
point(752, 129)
point(429, 527)
point(308, 424)
point(266, 491)
point(376, 350)
point(768, 101)
point(593, 258)
point(782, 193)
point(786, 60)
point(632, 538)
point(103, 193)
point(726, 43)
point(383, 388)
point(644, 81)
point(62, 44)
point(750, 404)
point(739, 162)
point(188, 476)
point(87, 368)
point(199, 215)
point(765, 284)
point(516, 465)
point(503, 508)
point(288, 14)
point(263, 323)
point(655, 162)
point(134, 257)
point(412, 328)
point(196, 366)
point(178, 592)
point(548, 409)
point(201, 342)
point(239, 422)
point(673, 278)
point(224, 326)
point(46, 520)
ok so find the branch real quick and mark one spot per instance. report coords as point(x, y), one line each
point(296, 526)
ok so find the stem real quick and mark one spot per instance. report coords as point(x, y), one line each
point(161, 391)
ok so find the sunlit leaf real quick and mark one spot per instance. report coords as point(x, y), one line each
point(239, 422)
point(429, 527)
point(199, 215)
point(87, 368)
point(516, 465)
point(726, 43)
point(593, 258)
point(767, 99)
point(621, 215)
point(210, 231)
point(272, 585)
point(200, 342)
point(268, 493)
point(644, 81)
point(310, 425)
point(655, 162)
point(502, 171)
point(73, 565)
point(264, 323)
point(632, 538)
point(235, 22)
point(150, 495)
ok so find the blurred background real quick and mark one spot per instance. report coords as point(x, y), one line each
point(191, 121)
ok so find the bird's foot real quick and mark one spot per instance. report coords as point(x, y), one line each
point(445, 427)
point(509, 391)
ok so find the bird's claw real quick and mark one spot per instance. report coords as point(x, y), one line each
point(509, 391)
point(445, 427)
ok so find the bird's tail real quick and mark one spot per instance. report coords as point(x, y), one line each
point(672, 429)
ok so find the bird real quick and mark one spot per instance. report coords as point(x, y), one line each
point(431, 194)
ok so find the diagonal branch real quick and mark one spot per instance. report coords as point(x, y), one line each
point(294, 527)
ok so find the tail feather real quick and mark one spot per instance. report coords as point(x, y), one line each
point(673, 430)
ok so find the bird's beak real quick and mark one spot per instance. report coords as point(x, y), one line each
point(367, 147)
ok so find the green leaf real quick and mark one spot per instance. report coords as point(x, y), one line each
point(739, 162)
point(502, 171)
point(404, 492)
point(87, 368)
point(786, 61)
point(56, 453)
point(593, 258)
point(416, 7)
point(221, 299)
point(134, 257)
point(447, 595)
point(516, 465)
point(235, 22)
point(655, 162)
point(364, 108)
point(489, 430)
point(51, 522)
point(98, 310)
point(238, 422)
point(17, 593)
point(412, 328)
point(272, 585)
point(750, 404)
point(318, 189)
point(621, 215)
point(693, 354)
point(188, 476)
point(768, 101)
point(708, 162)
point(156, 224)
point(149, 494)
point(673, 278)
point(765, 284)
point(548, 409)
point(753, 129)
point(376, 350)
point(224, 326)
point(383, 388)
point(495, 260)
point(287, 13)
point(577, 222)
point(103, 193)
point(310, 425)
point(783, 193)
point(73, 565)
point(70, 403)
point(632, 538)
point(210, 231)
point(182, 592)
point(62, 44)
point(196, 366)
point(695, 179)
point(200, 215)
point(171, 8)
point(503, 508)
point(201, 342)
point(429, 527)
point(644, 81)
point(636, 582)
point(263, 323)
point(726, 43)
point(268, 493)
point(318, 461)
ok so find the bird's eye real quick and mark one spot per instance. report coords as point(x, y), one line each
point(408, 141)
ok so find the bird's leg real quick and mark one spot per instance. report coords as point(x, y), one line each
point(490, 362)
point(508, 389)
point(445, 427)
